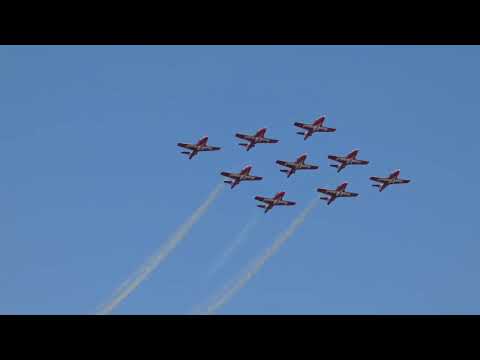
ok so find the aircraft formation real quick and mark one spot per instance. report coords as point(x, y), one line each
point(292, 166)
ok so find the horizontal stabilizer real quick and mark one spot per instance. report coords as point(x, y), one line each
point(324, 198)
point(227, 182)
point(283, 170)
point(261, 206)
point(300, 133)
point(185, 152)
point(376, 185)
point(243, 144)
point(335, 166)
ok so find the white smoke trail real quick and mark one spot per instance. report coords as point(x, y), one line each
point(144, 271)
point(238, 240)
point(257, 265)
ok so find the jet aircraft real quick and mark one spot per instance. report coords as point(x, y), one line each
point(201, 145)
point(275, 201)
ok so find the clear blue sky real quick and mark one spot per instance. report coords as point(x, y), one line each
point(91, 180)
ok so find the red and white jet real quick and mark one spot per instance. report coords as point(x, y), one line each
point(393, 178)
point(243, 175)
point(316, 126)
point(201, 145)
point(271, 202)
point(350, 159)
point(299, 164)
point(258, 138)
point(338, 192)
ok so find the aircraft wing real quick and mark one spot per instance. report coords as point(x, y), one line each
point(394, 174)
point(187, 146)
point(251, 177)
point(283, 163)
point(286, 203)
point(303, 126)
point(319, 121)
point(332, 199)
point(360, 162)
point(309, 167)
point(244, 137)
point(326, 191)
point(352, 155)
point(384, 186)
point(210, 148)
point(269, 141)
point(230, 175)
